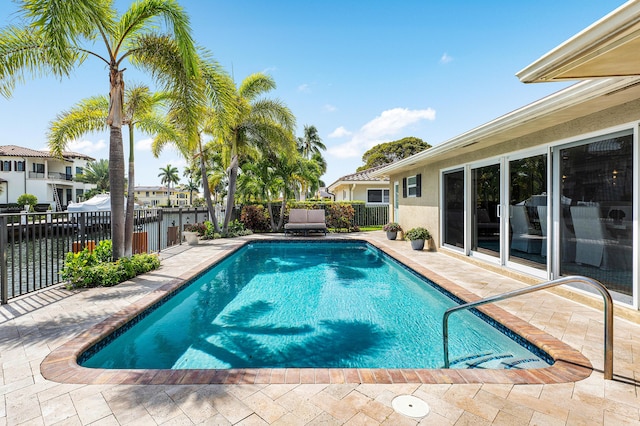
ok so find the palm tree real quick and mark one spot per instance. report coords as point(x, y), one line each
point(58, 36)
point(310, 143)
point(259, 123)
point(197, 111)
point(192, 187)
point(97, 173)
point(169, 176)
point(90, 115)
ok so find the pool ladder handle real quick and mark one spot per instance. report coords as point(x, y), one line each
point(608, 314)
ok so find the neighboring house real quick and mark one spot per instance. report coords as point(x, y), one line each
point(550, 189)
point(152, 196)
point(49, 178)
point(361, 186)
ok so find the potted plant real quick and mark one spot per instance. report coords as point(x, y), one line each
point(392, 229)
point(190, 234)
point(418, 236)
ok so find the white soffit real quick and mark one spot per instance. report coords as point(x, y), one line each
point(607, 48)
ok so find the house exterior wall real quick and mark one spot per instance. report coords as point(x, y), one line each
point(425, 210)
point(356, 191)
point(39, 176)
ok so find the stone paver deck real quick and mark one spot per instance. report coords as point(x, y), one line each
point(40, 327)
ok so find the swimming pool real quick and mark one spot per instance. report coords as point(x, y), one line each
point(299, 305)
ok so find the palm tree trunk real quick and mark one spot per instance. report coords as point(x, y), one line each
point(233, 177)
point(116, 184)
point(205, 188)
point(128, 220)
point(283, 207)
point(116, 161)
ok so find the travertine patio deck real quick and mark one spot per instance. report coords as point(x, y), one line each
point(34, 326)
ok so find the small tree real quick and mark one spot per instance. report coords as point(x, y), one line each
point(27, 200)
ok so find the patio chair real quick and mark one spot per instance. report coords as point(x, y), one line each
point(523, 237)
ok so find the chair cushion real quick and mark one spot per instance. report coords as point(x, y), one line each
point(298, 216)
point(315, 216)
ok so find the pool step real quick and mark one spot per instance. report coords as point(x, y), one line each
point(480, 360)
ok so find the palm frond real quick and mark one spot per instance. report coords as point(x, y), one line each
point(87, 116)
point(255, 85)
point(26, 52)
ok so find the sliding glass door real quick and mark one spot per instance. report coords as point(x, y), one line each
point(596, 211)
point(527, 239)
point(453, 202)
point(485, 215)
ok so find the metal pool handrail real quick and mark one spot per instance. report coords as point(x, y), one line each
point(608, 314)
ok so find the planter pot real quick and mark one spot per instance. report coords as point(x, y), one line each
point(417, 244)
point(191, 237)
point(392, 235)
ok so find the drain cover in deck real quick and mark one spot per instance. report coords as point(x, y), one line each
point(410, 406)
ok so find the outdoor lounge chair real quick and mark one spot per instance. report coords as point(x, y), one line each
point(302, 220)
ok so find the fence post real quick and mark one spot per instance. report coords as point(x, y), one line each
point(4, 280)
point(159, 210)
point(180, 225)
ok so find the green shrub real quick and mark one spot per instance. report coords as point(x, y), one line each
point(340, 216)
point(95, 269)
point(236, 229)
point(104, 251)
point(255, 217)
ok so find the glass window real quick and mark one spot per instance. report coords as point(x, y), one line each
point(378, 196)
point(411, 186)
point(6, 166)
point(596, 188)
point(20, 166)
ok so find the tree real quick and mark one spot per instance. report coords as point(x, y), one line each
point(97, 173)
point(389, 152)
point(27, 200)
point(141, 109)
point(169, 175)
point(310, 143)
point(58, 36)
point(198, 110)
point(192, 187)
point(258, 124)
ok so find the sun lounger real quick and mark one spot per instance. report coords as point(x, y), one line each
point(302, 220)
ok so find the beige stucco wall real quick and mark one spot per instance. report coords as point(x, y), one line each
point(425, 211)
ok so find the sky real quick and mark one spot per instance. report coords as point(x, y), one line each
point(361, 72)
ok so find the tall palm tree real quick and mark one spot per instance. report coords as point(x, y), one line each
point(259, 123)
point(310, 143)
point(97, 173)
point(197, 111)
point(169, 176)
point(58, 36)
point(141, 110)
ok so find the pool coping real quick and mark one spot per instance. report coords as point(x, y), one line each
point(61, 366)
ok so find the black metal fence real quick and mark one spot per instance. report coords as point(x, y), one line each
point(34, 245)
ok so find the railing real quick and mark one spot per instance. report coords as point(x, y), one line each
point(33, 246)
point(608, 314)
point(60, 176)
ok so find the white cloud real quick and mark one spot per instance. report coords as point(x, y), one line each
point(330, 108)
point(87, 147)
point(340, 132)
point(445, 59)
point(304, 88)
point(383, 128)
point(144, 144)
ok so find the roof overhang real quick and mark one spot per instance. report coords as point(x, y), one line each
point(580, 100)
point(607, 48)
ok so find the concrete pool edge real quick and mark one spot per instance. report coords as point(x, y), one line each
point(61, 366)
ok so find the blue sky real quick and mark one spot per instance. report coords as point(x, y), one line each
point(362, 72)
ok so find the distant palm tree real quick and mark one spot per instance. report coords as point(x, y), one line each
point(97, 173)
point(56, 37)
point(169, 175)
point(310, 143)
point(192, 187)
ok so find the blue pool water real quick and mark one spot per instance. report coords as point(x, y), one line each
point(303, 304)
